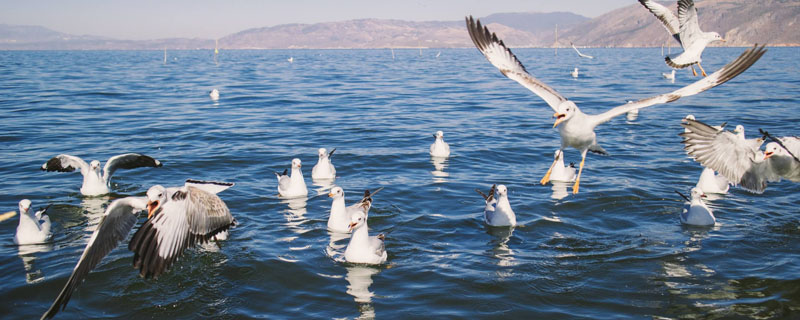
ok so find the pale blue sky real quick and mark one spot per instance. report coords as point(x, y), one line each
point(148, 19)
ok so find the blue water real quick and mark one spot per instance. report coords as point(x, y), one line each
point(615, 250)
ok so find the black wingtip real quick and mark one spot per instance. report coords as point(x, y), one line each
point(682, 195)
point(219, 183)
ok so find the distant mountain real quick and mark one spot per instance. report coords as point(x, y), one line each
point(740, 22)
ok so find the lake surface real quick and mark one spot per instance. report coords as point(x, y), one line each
point(615, 250)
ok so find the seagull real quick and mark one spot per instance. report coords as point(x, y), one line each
point(502, 215)
point(579, 53)
point(340, 218)
point(669, 76)
point(710, 182)
point(560, 172)
point(95, 184)
point(324, 169)
point(686, 30)
point(292, 186)
point(291, 59)
point(577, 130)
point(362, 247)
point(33, 228)
point(214, 94)
point(574, 72)
point(697, 213)
point(439, 148)
point(741, 160)
point(177, 218)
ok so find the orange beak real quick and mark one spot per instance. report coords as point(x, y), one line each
point(330, 195)
point(768, 155)
point(151, 207)
point(559, 118)
point(352, 225)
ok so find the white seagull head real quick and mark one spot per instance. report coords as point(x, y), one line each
point(322, 153)
point(713, 36)
point(95, 165)
point(557, 154)
point(336, 192)
point(697, 194)
point(156, 197)
point(439, 134)
point(296, 163)
point(564, 112)
point(774, 149)
point(24, 206)
point(501, 190)
point(357, 220)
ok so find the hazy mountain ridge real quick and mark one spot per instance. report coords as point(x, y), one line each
point(740, 22)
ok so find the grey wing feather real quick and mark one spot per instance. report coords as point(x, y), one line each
point(689, 26)
point(207, 214)
point(66, 163)
point(502, 58)
point(726, 153)
point(119, 219)
point(726, 73)
point(669, 20)
point(128, 161)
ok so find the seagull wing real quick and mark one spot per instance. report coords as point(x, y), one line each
point(190, 216)
point(728, 72)
point(689, 27)
point(501, 57)
point(66, 163)
point(729, 154)
point(128, 161)
point(119, 219)
point(212, 187)
point(669, 20)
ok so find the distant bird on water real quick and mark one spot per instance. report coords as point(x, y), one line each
point(439, 148)
point(34, 227)
point(577, 130)
point(686, 30)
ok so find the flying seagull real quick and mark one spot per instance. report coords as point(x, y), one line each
point(577, 130)
point(686, 30)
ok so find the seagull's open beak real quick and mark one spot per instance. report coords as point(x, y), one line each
point(559, 118)
point(152, 206)
point(352, 225)
point(768, 155)
point(703, 196)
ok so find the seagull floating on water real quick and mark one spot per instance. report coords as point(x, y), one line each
point(498, 210)
point(669, 75)
point(214, 94)
point(177, 218)
point(439, 148)
point(341, 215)
point(293, 186)
point(93, 182)
point(741, 160)
point(291, 59)
point(362, 247)
point(558, 171)
point(324, 169)
point(697, 213)
point(686, 30)
point(33, 228)
point(574, 72)
point(577, 130)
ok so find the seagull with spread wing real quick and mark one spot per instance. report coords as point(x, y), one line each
point(95, 183)
point(686, 30)
point(577, 128)
point(177, 218)
point(741, 160)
